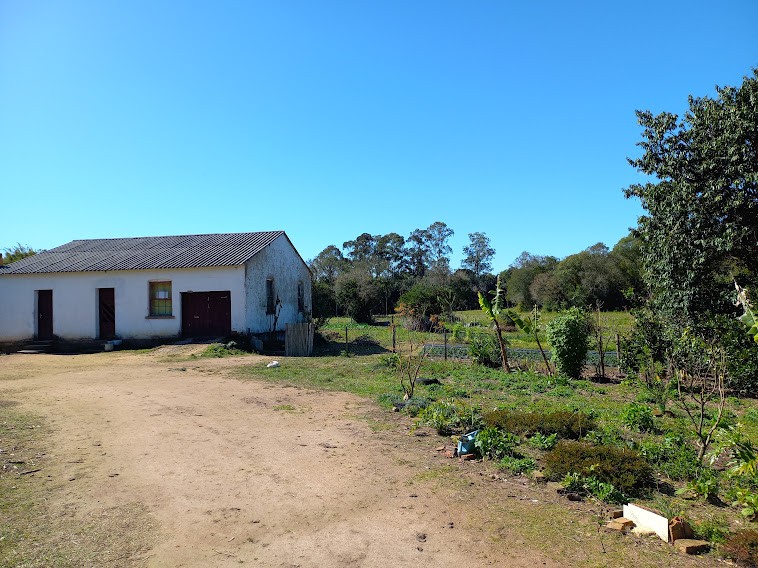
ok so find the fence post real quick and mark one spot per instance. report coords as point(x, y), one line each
point(444, 334)
point(618, 350)
point(347, 347)
point(393, 336)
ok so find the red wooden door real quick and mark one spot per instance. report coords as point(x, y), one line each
point(44, 314)
point(206, 314)
point(107, 313)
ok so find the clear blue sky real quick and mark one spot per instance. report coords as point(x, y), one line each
point(332, 118)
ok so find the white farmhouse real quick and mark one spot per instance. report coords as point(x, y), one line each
point(155, 287)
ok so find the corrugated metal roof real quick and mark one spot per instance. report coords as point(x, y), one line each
point(146, 253)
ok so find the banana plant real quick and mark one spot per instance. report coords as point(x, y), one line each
point(748, 318)
point(493, 309)
point(530, 326)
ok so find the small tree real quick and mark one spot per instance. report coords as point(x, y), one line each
point(531, 325)
point(493, 310)
point(700, 372)
point(569, 337)
point(409, 367)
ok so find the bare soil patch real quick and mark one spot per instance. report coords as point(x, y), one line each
point(155, 459)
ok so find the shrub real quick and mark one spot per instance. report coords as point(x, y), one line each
point(742, 546)
point(417, 305)
point(564, 423)
point(494, 444)
point(638, 417)
point(569, 338)
point(625, 469)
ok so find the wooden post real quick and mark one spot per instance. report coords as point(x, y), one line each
point(347, 347)
point(444, 334)
point(392, 323)
point(618, 350)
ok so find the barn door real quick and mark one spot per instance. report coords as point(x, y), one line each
point(44, 314)
point(106, 309)
point(206, 314)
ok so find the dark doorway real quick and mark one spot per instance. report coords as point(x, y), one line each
point(206, 314)
point(44, 314)
point(106, 309)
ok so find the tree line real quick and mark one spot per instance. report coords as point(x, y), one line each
point(379, 274)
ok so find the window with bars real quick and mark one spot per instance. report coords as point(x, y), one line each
point(160, 298)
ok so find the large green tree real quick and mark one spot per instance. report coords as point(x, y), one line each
point(479, 255)
point(700, 230)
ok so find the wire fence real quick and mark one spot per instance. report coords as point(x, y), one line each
point(461, 351)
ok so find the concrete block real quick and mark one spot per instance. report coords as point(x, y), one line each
point(647, 519)
point(691, 546)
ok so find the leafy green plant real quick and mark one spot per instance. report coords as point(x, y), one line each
point(542, 442)
point(638, 417)
point(624, 468)
point(747, 500)
point(448, 417)
point(517, 465)
point(705, 485)
point(569, 336)
point(743, 453)
point(493, 309)
point(531, 326)
point(483, 349)
point(748, 317)
point(672, 456)
point(495, 444)
point(590, 484)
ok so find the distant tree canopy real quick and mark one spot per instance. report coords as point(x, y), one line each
point(17, 253)
point(378, 274)
point(700, 230)
point(596, 276)
point(371, 272)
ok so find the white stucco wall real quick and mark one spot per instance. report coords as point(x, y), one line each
point(75, 301)
point(281, 262)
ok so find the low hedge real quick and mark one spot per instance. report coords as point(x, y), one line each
point(626, 469)
point(564, 423)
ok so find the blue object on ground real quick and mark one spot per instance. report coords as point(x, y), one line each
point(466, 443)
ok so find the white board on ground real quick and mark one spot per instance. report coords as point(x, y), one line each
point(645, 519)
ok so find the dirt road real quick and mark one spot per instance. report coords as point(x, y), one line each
point(188, 467)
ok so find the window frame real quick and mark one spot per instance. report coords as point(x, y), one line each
point(160, 307)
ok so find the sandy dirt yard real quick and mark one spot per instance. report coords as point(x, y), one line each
point(181, 463)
